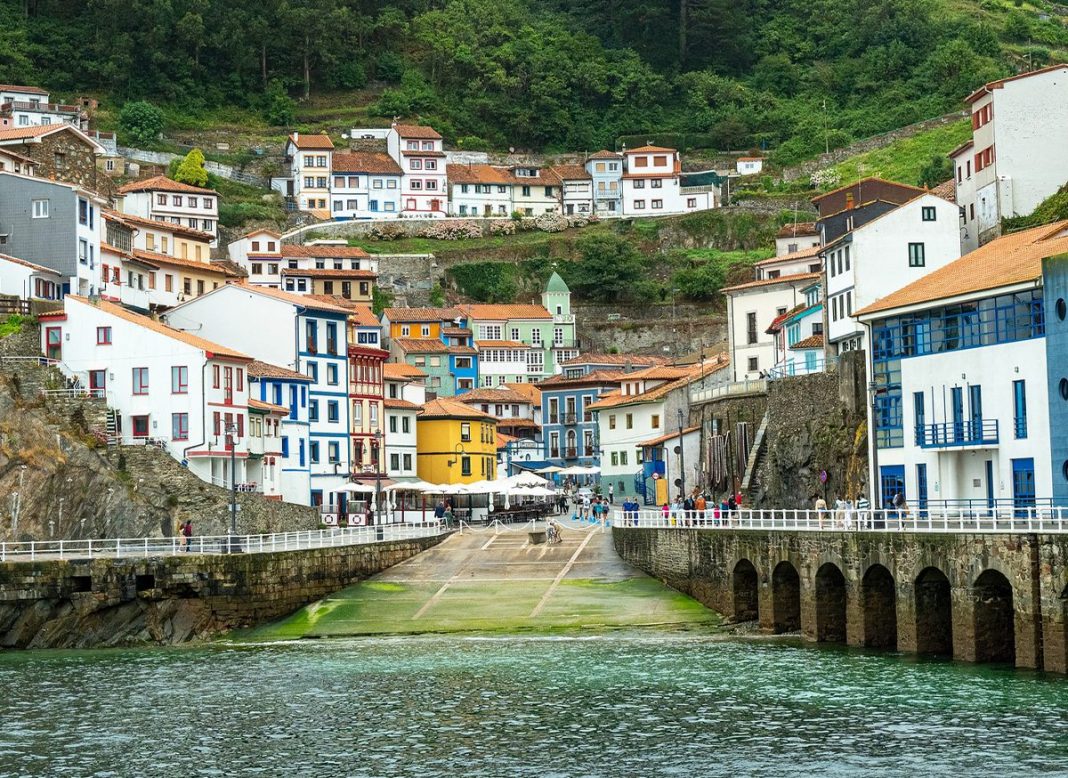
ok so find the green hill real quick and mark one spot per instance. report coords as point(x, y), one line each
point(786, 75)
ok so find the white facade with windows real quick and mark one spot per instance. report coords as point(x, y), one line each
point(365, 186)
point(29, 106)
point(310, 160)
point(29, 281)
point(882, 256)
point(650, 183)
point(167, 387)
point(424, 185)
point(171, 201)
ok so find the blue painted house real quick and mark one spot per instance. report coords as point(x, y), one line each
point(280, 386)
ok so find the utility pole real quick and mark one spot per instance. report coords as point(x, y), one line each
point(378, 483)
point(231, 431)
point(682, 459)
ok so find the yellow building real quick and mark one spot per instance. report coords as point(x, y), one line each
point(456, 444)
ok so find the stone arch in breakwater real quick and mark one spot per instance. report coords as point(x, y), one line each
point(979, 597)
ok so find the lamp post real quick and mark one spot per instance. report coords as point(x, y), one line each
point(376, 454)
point(682, 459)
point(231, 434)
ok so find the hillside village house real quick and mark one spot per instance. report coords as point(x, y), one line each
point(799, 236)
point(576, 192)
point(280, 387)
point(365, 185)
point(882, 255)
point(16, 163)
point(1012, 162)
point(480, 190)
point(752, 307)
point(405, 395)
point(606, 175)
point(804, 261)
point(854, 205)
point(798, 336)
point(457, 444)
point(163, 199)
point(165, 386)
point(59, 151)
point(749, 166)
point(29, 281)
point(308, 162)
point(436, 341)
point(301, 334)
point(318, 268)
point(264, 466)
point(259, 241)
point(366, 392)
point(968, 373)
point(536, 190)
point(424, 183)
point(53, 224)
point(25, 106)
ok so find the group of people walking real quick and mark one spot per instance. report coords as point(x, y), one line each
point(848, 513)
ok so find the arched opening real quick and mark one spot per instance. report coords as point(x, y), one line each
point(934, 613)
point(745, 591)
point(879, 598)
point(830, 605)
point(785, 598)
point(995, 632)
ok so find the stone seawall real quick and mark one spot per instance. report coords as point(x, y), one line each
point(976, 597)
point(170, 600)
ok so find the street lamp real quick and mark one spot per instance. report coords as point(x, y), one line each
point(376, 458)
point(231, 439)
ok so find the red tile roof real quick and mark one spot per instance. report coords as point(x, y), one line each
point(323, 252)
point(312, 142)
point(421, 315)
point(30, 265)
point(667, 437)
point(163, 184)
point(869, 180)
point(811, 252)
point(812, 341)
point(501, 312)
point(479, 174)
point(154, 258)
point(486, 344)
point(605, 154)
point(159, 224)
point(326, 272)
point(399, 371)
point(421, 153)
point(772, 281)
point(422, 346)
point(647, 149)
point(492, 395)
point(258, 369)
point(160, 328)
point(798, 230)
point(365, 162)
point(302, 300)
point(30, 90)
point(634, 360)
point(417, 131)
point(398, 404)
point(260, 405)
point(947, 190)
point(571, 172)
point(452, 408)
point(602, 377)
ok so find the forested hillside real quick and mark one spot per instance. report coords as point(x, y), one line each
point(787, 75)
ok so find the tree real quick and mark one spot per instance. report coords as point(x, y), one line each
point(609, 269)
point(279, 109)
point(191, 169)
point(935, 172)
point(141, 121)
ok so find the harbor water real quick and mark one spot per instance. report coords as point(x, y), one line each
point(627, 703)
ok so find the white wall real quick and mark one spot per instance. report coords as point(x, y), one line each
point(766, 302)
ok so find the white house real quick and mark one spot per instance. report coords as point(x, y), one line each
point(163, 199)
point(751, 309)
point(805, 261)
point(26, 106)
point(260, 241)
point(165, 386)
point(651, 184)
point(404, 397)
point(798, 335)
point(1017, 156)
point(424, 185)
point(298, 333)
point(309, 159)
point(16, 163)
point(576, 189)
point(264, 467)
point(795, 237)
point(749, 166)
point(881, 256)
point(966, 368)
point(536, 190)
point(501, 362)
point(365, 185)
point(280, 387)
point(480, 190)
point(29, 281)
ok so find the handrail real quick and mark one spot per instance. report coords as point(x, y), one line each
point(34, 550)
point(1000, 519)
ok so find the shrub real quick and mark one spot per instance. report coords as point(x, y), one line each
point(191, 169)
point(141, 121)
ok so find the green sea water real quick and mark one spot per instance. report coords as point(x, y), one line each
point(627, 703)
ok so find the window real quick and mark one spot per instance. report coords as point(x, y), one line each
point(639, 205)
point(416, 164)
point(332, 414)
point(655, 421)
point(313, 411)
point(639, 184)
point(180, 426)
point(691, 202)
point(612, 422)
point(916, 255)
point(658, 203)
point(630, 421)
point(1019, 404)
point(753, 364)
point(313, 451)
point(657, 183)
point(313, 371)
point(751, 328)
point(928, 213)
point(331, 374)
point(179, 379)
point(40, 209)
point(331, 338)
point(407, 461)
point(615, 459)
point(311, 332)
point(465, 432)
point(103, 336)
point(140, 380)
point(334, 452)
point(623, 458)
point(465, 465)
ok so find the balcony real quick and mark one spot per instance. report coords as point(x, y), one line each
point(554, 453)
point(958, 434)
point(570, 418)
point(570, 453)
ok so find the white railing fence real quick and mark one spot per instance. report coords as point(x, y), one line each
point(213, 544)
point(1005, 519)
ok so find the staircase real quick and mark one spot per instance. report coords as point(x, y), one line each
point(111, 427)
point(757, 454)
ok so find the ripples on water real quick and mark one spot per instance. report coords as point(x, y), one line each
point(618, 705)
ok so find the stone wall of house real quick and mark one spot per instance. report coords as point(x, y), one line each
point(78, 166)
point(167, 600)
point(823, 584)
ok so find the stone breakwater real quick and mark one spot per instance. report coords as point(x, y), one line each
point(175, 599)
point(975, 597)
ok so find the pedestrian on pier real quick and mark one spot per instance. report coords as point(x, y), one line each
point(821, 509)
point(187, 534)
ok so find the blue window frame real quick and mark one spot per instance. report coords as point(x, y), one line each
point(277, 394)
point(332, 411)
point(313, 411)
point(292, 402)
point(311, 333)
point(1023, 484)
point(921, 486)
point(303, 396)
point(301, 447)
point(331, 341)
point(891, 483)
point(313, 371)
point(1019, 406)
point(313, 448)
point(956, 399)
point(975, 405)
point(919, 414)
point(331, 374)
point(285, 446)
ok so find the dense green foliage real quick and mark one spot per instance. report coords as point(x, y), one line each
point(1053, 208)
point(792, 75)
point(141, 121)
point(190, 169)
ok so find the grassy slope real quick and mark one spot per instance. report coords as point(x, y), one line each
point(904, 159)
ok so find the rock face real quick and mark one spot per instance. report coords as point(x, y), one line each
point(816, 422)
point(59, 480)
point(169, 600)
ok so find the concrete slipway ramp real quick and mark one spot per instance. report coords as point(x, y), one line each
point(495, 580)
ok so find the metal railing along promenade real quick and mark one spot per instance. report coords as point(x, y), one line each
point(1004, 519)
point(127, 548)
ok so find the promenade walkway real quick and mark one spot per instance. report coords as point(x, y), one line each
point(493, 579)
